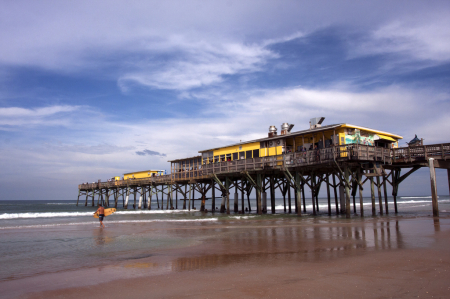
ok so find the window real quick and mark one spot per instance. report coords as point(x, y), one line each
point(216, 159)
point(222, 158)
point(228, 157)
point(242, 155)
point(256, 153)
point(235, 156)
point(248, 154)
point(240, 147)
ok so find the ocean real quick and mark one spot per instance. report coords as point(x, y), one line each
point(42, 237)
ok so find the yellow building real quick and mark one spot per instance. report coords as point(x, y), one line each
point(143, 174)
point(316, 136)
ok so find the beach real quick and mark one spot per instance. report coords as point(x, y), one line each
point(167, 254)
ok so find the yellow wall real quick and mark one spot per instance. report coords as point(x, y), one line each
point(235, 149)
point(139, 174)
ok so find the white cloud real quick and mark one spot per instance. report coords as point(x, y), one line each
point(420, 39)
point(51, 115)
point(200, 64)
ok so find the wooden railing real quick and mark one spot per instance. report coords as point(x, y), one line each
point(356, 152)
point(422, 152)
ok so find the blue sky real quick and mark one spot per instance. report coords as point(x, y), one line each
point(93, 89)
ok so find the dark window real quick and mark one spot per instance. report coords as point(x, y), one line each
point(248, 154)
point(241, 155)
point(235, 156)
point(216, 159)
point(222, 158)
point(256, 153)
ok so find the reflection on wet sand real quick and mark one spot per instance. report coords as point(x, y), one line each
point(100, 238)
point(317, 243)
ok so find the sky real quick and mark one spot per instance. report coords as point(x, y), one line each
point(94, 89)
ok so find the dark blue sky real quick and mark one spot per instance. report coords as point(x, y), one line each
point(84, 91)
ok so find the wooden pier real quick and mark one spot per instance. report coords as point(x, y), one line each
point(341, 170)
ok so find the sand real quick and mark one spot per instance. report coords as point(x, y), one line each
point(385, 257)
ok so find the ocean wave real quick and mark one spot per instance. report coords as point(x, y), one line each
point(111, 222)
point(241, 217)
point(83, 214)
point(44, 215)
point(416, 196)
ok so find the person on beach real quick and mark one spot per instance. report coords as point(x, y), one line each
point(101, 214)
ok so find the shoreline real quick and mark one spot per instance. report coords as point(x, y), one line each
point(248, 254)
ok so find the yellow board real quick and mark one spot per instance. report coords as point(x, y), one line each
point(107, 212)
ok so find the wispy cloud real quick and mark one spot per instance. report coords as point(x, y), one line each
point(50, 115)
point(197, 64)
point(419, 39)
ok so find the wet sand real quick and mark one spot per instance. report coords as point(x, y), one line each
point(386, 257)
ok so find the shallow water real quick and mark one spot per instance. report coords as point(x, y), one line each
point(39, 237)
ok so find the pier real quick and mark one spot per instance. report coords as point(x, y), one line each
point(340, 170)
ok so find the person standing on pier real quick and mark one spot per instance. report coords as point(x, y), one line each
point(101, 214)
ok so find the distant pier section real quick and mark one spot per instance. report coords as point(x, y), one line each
point(339, 158)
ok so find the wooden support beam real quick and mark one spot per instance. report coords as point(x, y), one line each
point(283, 192)
point(313, 195)
point(264, 202)
point(385, 194)
point(193, 196)
point(236, 198)
point(288, 186)
point(126, 198)
point(249, 188)
point(242, 196)
point(258, 194)
point(328, 193)
point(361, 200)
point(434, 196)
point(87, 193)
point(372, 196)
point(272, 194)
point(302, 187)
point(140, 200)
point(190, 192)
point(448, 178)
point(213, 196)
point(316, 193)
point(150, 195)
point(395, 183)
point(227, 186)
point(347, 193)
point(335, 194)
point(116, 197)
point(380, 200)
point(298, 193)
point(78, 199)
point(354, 189)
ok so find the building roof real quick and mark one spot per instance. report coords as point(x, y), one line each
point(308, 131)
point(184, 159)
point(143, 171)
